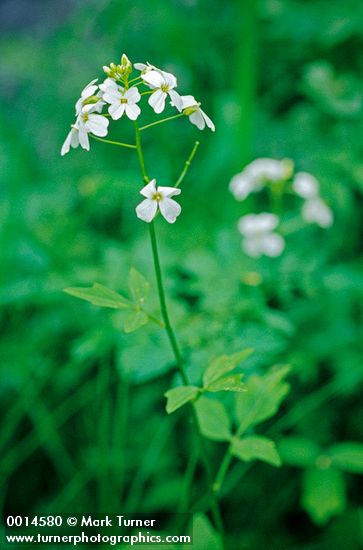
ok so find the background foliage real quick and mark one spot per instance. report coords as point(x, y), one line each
point(84, 422)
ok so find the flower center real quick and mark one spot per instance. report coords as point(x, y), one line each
point(123, 100)
point(85, 117)
point(164, 88)
point(157, 196)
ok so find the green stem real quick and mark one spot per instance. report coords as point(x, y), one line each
point(140, 153)
point(187, 164)
point(222, 472)
point(128, 145)
point(175, 347)
point(161, 121)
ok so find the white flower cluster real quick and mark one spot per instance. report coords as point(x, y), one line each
point(257, 174)
point(121, 96)
point(259, 230)
point(259, 236)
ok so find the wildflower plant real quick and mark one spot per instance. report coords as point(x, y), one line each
point(121, 96)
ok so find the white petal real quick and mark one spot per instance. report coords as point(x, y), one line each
point(157, 101)
point(170, 79)
point(108, 85)
point(252, 247)
point(176, 99)
point(188, 101)
point(154, 78)
point(140, 66)
point(149, 190)
point(257, 224)
point(208, 121)
point(132, 111)
point(170, 209)
point(67, 144)
point(132, 95)
point(241, 186)
point(272, 245)
point(112, 96)
point(305, 185)
point(83, 137)
point(197, 119)
point(116, 110)
point(146, 210)
point(88, 91)
point(97, 124)
point(316, 211)
point(169, 191)
point(79, 106)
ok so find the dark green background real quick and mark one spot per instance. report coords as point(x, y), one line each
point(83, 420)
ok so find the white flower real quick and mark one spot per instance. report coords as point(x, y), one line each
point(305, 185)
point(192, 109)
point(86, 123)
point(122, 101)
point(86, 95)
point(315, 210)
point(158, 197)
point(259, 238)
point(257, 173)
point(163, 85)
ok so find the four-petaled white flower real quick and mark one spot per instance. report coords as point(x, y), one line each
point(199, 118)
point(305, 185)
point(259, 236)
point(90, 90)
point(315, 210)
point(162, 84)
point(87, 122)
point(123, 101)
point(259, 172)
point(158, 197)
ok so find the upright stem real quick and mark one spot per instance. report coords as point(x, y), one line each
point(163, 307)
point(174, 344)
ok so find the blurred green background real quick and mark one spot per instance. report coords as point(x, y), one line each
point(83, 414)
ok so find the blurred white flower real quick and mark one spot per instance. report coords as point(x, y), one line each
point(163, 85)
point(199, 118)
point(305, 185)
point(89, 95)
point(315, 210)
point(158, 197)
point(259, 237)
point(257, 173)
point(87, 122)
point(122, 101)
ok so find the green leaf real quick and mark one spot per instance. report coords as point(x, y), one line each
point(348, 456)
point(135, 320)
point(263, 397)
point(204, 536)
point(323, 494)
point(223, 364)
point(138, 285)
point(213, 419)
point(256, 447)
point(101, 296)
point(298, 451)
point(177, 397)
point(227, 383)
